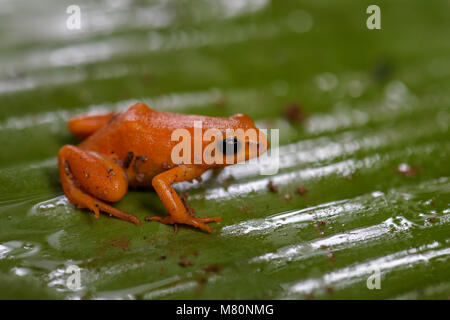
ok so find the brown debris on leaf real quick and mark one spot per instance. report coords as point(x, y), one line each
point(294, 113)
point(213, 268)
point(272, 187)
point(301, 190)
point(185, 264)
point(408, 170)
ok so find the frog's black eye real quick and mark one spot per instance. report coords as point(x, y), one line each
point(230, 146)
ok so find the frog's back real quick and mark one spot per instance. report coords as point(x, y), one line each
point(138, 129)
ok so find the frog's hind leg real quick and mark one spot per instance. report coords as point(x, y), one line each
point(87, 177)
point(85, 125)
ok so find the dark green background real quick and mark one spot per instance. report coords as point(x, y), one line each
point(375, 99)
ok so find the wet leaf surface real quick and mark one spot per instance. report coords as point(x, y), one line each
point(364, 148)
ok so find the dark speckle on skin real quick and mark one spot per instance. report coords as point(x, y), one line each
point(128, 159)
point(294, 113)
point(331, 256)
point(111, 172)
point(214, 268)
point(120, 243)
point(67, 168)
point(184, 199)
point(185, 263)
point(408, 170)
point(287, 197)
point(139, 159)
point(383, 71)
point(112, 118)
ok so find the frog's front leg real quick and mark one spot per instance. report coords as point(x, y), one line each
point(87, 177)
point(178, 213)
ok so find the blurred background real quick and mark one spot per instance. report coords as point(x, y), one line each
point(364, 157)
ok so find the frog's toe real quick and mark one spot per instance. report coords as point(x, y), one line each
point(198, 222)
point(195, 222)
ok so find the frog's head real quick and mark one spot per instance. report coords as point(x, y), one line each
point(240, 141)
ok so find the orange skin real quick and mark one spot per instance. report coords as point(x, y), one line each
point(134, 148)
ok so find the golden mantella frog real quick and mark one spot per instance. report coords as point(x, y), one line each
point(135, 149)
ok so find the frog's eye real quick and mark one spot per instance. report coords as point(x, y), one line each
point(230, 146)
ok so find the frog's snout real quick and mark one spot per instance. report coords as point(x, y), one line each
point(263, 143)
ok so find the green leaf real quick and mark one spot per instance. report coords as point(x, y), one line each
point(372, 155)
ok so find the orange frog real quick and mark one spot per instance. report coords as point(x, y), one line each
point(134, 149)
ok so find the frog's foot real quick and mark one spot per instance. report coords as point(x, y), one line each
point(83, 200)
point(198, 222)
point(87, 177)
